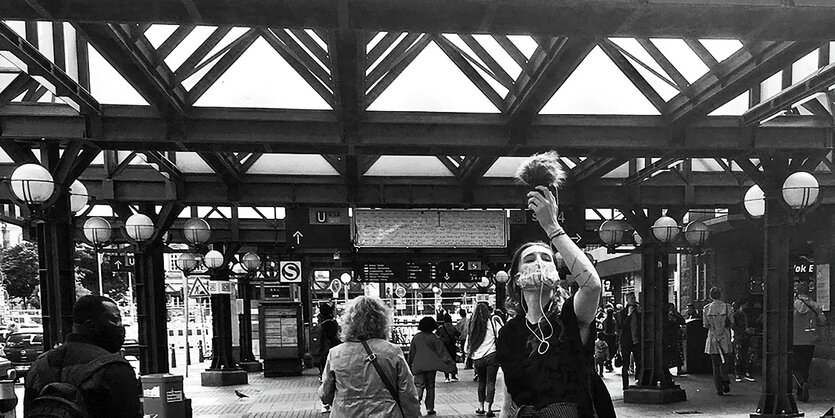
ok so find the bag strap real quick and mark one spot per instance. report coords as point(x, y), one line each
point(373, 359)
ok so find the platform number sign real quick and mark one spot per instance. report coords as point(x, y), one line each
point(290, 272)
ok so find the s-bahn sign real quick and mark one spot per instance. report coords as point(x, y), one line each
point(290, 272)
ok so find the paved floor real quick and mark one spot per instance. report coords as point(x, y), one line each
point(296, 397)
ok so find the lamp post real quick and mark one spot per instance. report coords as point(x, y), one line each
point(501, 280)
point(345, 278)
point(415, 288)
point(224, 370)
point(250, 262)
point(655, 383)
point(34, 187)
point(187, 263)
point(799, 192)
point(97, 230)
point(151, 309)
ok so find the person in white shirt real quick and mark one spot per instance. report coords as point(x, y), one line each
point(481, 346)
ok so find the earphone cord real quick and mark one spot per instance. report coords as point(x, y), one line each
point(544, 345)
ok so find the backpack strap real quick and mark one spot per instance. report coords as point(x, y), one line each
point(373, 359)
point(88, 370)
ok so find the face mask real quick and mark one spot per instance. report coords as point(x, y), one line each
point(111, 337)
point(533, 276)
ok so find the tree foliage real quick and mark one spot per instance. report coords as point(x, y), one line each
point(19, 265)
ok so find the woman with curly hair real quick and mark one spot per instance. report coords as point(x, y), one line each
point(546, 350)
point(351, 382)
point(481, 346)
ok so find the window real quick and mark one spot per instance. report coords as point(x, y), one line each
point(170, 333)
point(179, 333)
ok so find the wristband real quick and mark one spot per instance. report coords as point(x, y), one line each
point(555, 234)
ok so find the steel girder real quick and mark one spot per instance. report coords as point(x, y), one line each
point(766, 19)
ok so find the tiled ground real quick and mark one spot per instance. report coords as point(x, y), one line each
point(296, 397)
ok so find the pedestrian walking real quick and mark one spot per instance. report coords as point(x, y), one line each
point(463, 328)
point(481, 346)
point(742, 331)
point(808, 316)
point(629, 337)
point(547, 350)
point(449, 336)
point(610, 331)
point(367, 375)
point(673, 350)
point(427, 356)
point(716, 318)
point(601, 352)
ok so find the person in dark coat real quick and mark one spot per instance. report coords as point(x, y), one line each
point(629, 339)
point(673, 350)
point(97, 332)
point(449, 336)
point(610, 332)
point(330, 339)
point(427, 356)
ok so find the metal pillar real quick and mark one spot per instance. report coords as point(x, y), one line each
point(248, 361)
point(151, 310)
point(655, 384)
point(55, 270)
point(777, 399)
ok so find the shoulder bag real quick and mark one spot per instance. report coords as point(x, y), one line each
point(386, 382)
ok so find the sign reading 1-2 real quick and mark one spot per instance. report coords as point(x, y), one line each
point(290, 272)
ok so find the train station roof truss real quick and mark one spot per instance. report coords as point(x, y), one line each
point(417, 103)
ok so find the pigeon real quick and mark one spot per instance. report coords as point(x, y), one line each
point(240, 395)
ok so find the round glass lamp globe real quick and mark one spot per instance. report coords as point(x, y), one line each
point(754, 201)
point(250, 262)
point(665, 229)
point(800, 190)
point(345, 278)
point(484, 282)
point(97, 230)
point(78, 196)
point(139, 227)
point(696, 233)
point(611, 232)
point(187, 262)
point(415, 286)
point(501, 276)
point(436, 289)
point(32, 184)
point(213, 259)
point(196, 230)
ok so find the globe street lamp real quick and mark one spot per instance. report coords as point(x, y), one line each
point(78, 196)
point(97, 230)
point(139, 227)
point(32, 184)
point(501, 280)
point(197, 231)
point(345, 278)
point(187, 263)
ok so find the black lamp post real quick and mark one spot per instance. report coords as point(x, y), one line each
point(250, 262)
point(187, 263)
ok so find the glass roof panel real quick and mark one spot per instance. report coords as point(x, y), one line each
point(721, 49)
point(374, 41)
point(805, 66)
point(735, 107)
point(408, 165)
point(682, 57)
point(499, 54)
point(663, 88)
point(190, 162)
point(621, 172)
point(4, 158)
point(316, 38)
point(18, 26)
point(188, 46)
point(157, 34)
point(279, 86)
point(505, 167)
point(585, 92)
point(107, 85)
point(292, 164)
point(706, 165)
point(771, 86)
point(432, 83)
point(525, 43)
point(5, 78)
point(632, 46)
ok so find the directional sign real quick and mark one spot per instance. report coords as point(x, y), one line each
point(198, 290)
point(290, 272)
point(308, 227)
point(297, 236)
point(400, 291)
point(220, 287)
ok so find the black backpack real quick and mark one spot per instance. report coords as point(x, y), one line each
point(63, 399)
point(319, 344)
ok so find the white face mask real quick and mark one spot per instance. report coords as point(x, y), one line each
point(533, 276)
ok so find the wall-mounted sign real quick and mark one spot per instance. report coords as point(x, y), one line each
point(220, 287)
point(290, 272)
point(804, 268)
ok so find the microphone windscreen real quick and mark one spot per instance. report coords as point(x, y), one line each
point(542, 169)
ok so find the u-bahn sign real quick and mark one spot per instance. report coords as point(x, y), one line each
point(308, 227)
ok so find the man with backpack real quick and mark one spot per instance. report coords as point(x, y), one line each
point(87, 376)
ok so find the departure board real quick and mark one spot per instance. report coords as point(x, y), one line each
point(403, 228)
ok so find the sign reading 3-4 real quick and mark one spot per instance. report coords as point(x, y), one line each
point(290, 272)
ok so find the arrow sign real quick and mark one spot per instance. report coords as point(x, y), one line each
point(118, 264)
point(576, 238)
point(298, 236)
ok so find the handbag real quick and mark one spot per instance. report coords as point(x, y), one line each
point(618, 359)
point(373, 359)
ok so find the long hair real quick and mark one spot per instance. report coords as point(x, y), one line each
point(478, 326)
point(366, 318)
point(515, 300)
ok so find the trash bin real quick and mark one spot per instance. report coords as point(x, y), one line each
point(8, 399)
point(163, 396)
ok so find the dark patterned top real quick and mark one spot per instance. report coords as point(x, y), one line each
point(559, 375)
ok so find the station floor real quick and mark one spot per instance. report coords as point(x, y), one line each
point(296, 397)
